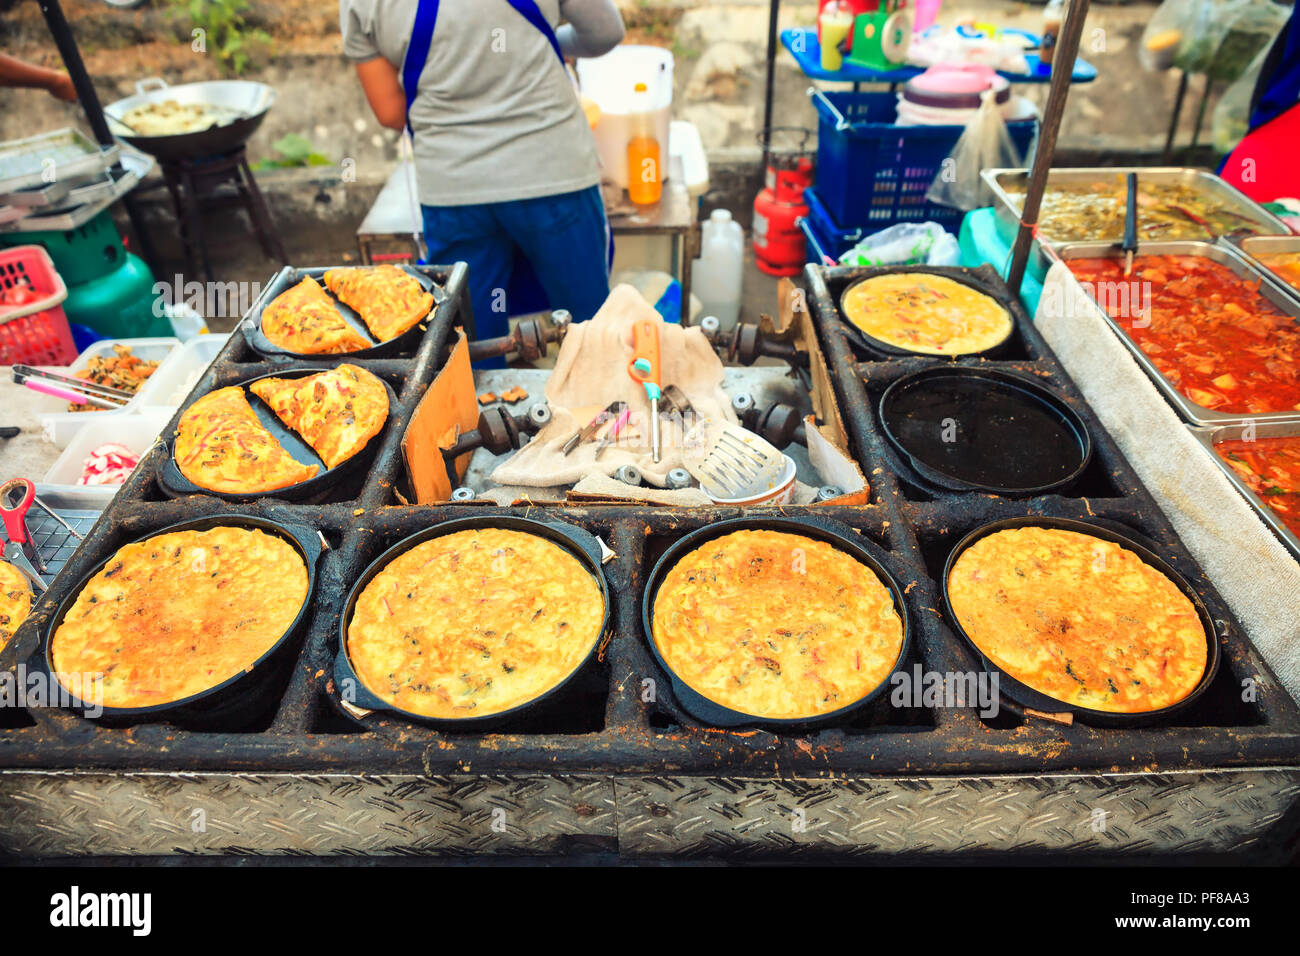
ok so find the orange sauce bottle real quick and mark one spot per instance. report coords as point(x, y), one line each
point(644, 176)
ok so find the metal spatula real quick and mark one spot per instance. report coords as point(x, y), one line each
point(730, 461)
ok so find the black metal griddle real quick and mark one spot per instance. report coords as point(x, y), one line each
point(630, 728)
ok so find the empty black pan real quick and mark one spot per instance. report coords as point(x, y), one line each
point(404, 344)
point(819, 529)
point(360, 703)
point(237, 702)
point(1027, 696)
point(176, 485)
point(963, 428)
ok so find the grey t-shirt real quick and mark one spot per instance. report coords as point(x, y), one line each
point(496, 116)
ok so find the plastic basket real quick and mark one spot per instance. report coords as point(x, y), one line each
point(873, 173)
point(831, 239)
point(36, 333)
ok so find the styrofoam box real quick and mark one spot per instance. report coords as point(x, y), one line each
point(61, 425)
point(136, 431)
point(175, 379)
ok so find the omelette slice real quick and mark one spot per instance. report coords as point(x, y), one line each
point(335, 412)
point(388, 299)
point(303, 319)
point(15, 601)
point(1078, 618)
point(176, 614)
point(222, 446)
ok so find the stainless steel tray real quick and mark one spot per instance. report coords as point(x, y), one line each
point(1251, 246)
point(1211, 436)
point(23, 162)
point(34, 197)
point(86, 201)
point(1040, 259)
point(1224, 255)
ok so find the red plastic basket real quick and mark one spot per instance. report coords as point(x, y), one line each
point(37, 332)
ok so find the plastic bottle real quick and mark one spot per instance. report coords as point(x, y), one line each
point(716, 275)
point(1053, 20)
point(644, 180)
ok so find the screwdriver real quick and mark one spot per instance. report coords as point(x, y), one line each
point(644, 368)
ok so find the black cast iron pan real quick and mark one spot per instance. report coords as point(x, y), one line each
point(357, 702)
point(176, 485)
point(1004, 425)
point(819, 529)
point(879, 349)
point(404, 344)
point(237, 702)
point(1027, 696)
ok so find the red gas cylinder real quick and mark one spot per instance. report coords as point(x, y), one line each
point(779, 246)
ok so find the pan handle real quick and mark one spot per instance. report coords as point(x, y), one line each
point(149, 84)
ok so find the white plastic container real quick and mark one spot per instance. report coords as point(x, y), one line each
point(137, 432)
point(716, 276)
point(610, 81)
point(175, 379)
point(60, 425)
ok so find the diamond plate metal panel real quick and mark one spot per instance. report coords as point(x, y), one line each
point(96, 814)
point(1195, 812)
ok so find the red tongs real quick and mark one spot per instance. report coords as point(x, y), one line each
point(16, 497)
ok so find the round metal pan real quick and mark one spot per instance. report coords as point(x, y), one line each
point(250, 100)
point(236, 703)
point(176, 485)
point(934, 478)
point(404, 344)
point(1027, 696)
point(362, 704)
point(837, 536)
point(876, 348)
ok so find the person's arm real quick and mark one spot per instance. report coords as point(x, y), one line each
point(592, 27)
point(379, 79)
point(383, 92)
point(15, 72)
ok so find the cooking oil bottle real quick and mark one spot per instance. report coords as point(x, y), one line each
point(644, 162)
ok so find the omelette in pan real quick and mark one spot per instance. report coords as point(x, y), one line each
point(1079, 618)
point(474, 623)
point(15, 601)
point(776, 625)
point(929, 314)
point(179, 613)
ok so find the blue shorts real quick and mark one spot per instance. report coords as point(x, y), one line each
point(563, 237)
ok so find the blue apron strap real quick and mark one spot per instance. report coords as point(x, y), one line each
point(417, 51)
point(528, 10)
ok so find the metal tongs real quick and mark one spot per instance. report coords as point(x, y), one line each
point(588, 431)
point(52, 383)
point(16, 497)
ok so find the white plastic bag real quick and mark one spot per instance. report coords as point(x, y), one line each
point(906, 244)
point(1231, 120)
point(984, 144)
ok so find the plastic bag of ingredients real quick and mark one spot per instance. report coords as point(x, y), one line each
point(1164, 33)
point(984, 144)
point(1221, 37)
point(1231, 119)
point(906, 244)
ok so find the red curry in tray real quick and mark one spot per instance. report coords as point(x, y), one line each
point(1270, 467)
point(1211, 333)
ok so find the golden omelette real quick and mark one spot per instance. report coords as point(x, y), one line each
point(15, 601)
point(179, 613)
point(1079, 618)
point(474, 623)
point(776, 625)
point(924, 313)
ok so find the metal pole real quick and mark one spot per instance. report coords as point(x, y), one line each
point(772, 39)
point(89, 100)
point(1177, 114)
point(1067, 49)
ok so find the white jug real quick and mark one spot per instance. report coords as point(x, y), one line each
point(716, 276)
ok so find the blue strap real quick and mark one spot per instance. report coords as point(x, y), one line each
point(417, 51)
point(528, 10)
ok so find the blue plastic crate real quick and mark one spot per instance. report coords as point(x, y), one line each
point(872, 173)
point(828, 236)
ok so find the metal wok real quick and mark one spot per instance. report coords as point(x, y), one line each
point(247, 100)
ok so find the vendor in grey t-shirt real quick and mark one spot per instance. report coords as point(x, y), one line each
point(504, 157)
